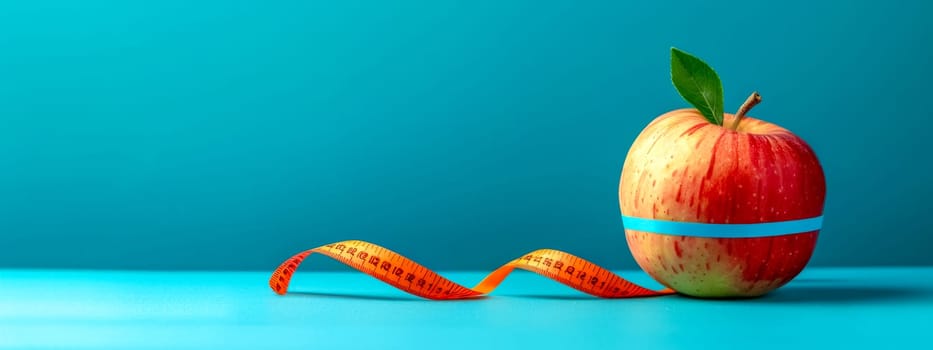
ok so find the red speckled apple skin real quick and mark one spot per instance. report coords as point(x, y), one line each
point(683, 168)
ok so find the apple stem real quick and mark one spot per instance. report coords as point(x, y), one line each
point(752, 100)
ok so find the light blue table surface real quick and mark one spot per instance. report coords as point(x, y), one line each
point(888, 307)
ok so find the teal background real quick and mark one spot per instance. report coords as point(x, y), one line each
point(231, 134)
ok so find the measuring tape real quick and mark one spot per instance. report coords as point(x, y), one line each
point(409, 276)
point(575, 272)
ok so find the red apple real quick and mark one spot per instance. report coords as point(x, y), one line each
point(684, 168)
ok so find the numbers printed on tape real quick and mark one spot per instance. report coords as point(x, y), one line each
point(409, 276)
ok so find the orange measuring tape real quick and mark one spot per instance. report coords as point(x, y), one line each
point(409, 276)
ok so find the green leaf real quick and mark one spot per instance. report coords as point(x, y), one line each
point(697, 83)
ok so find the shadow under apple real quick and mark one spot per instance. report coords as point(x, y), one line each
point(845, 294)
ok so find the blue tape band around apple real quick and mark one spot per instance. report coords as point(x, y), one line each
point(696, 229)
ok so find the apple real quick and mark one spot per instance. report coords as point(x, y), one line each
point(684, 168)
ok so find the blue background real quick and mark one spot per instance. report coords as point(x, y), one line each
point(230, 134)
